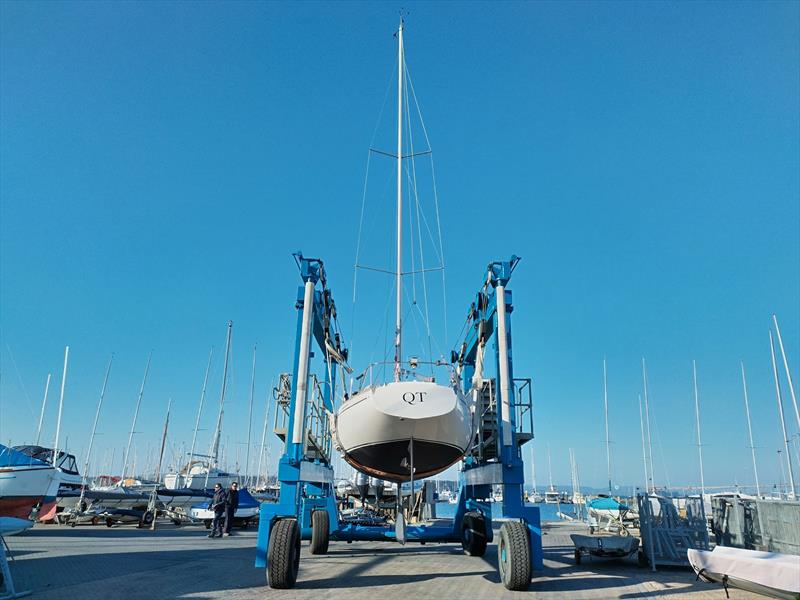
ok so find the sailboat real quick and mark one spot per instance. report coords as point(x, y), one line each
point(410, 427)
point(202, 472)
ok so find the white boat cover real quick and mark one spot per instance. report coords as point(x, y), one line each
point(775, 572)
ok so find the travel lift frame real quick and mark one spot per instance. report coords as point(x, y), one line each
point(306, 508)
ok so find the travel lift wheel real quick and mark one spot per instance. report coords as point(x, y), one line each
point(320, 532)
point(473, 534)
point(514, 556)
point(283, 555)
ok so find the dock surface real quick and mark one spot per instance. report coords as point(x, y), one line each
point(95, 562)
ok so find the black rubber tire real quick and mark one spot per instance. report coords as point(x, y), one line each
point(320, 532)
point(109, 522)
point(577, 557)
point(283, 555)
point(207, 523)
point(473, 534)
point(73, 522)
point(147, 518)
point(514, 556)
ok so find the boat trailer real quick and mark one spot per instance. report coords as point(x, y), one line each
point(307, 507)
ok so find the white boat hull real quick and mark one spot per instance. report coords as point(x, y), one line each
point(23, 487)
point(374, 429)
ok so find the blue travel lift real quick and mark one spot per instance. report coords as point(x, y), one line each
point(306, 507)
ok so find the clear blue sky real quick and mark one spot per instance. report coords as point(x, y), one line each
point(159, 162)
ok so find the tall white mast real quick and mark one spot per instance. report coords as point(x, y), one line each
point(780, 412)
point(214, 452)
point(605, 404)
point(697, 418)
point(399, 274)
point(644, 449)
point(250, 421)
point(94, 431)
point(647, 421)
point(197, 420)
point(41, 414)
point(550, 468)
point(533, 468)
point(133, 425)
point(267, 407)
point(788, 372)
point(60, 406)
point(750, 430)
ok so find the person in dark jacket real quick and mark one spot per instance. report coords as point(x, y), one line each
point(217, 504)
point(231, 504)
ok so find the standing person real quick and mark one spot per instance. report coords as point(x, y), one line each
point(217, 504)
point(231, 504)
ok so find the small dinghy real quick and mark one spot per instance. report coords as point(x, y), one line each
point(604, 546)
point(767, 573)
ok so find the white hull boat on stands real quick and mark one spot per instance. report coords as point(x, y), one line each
point(768, 573)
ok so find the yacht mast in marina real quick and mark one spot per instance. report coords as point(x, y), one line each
point(644, 449)
point(605, 411)
point(750, 430)
point(133, 425)
point(697, 418)
point(267, 408)
point(214, 452)
point(41, 414)
point(647, 422)
point(250, 420)
point(197, 420)
point(94, 431)
point(60, 406)
point(780, 413)
point(399, 274)
point(788, 371)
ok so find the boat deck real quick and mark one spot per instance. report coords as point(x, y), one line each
point(95, 562)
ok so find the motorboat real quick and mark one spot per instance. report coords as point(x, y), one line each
point(552, 496)
point(66, 480)
point(68, 476)
point(246, 513)
point(412, 426)
point(767, 573)
point(24, 482)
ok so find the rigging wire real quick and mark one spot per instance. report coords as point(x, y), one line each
point(412, 174)
point(436, 203)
